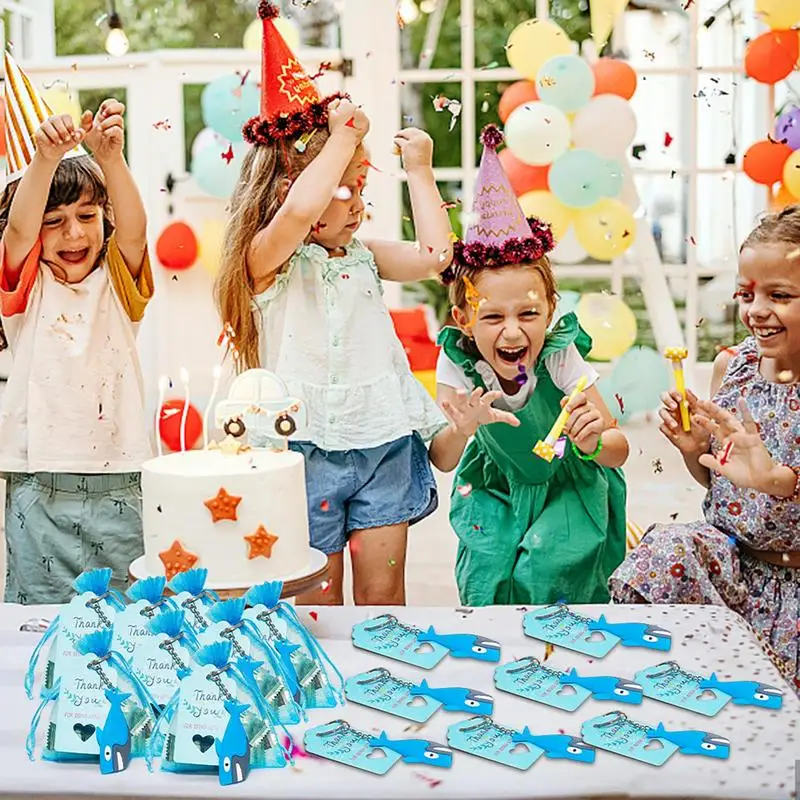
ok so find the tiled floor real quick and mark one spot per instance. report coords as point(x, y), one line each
point(652, 496)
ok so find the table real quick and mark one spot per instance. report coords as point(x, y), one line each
point(705, 638)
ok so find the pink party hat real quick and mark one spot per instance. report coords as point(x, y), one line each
point(500, 234)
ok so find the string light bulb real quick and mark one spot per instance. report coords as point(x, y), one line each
point(408, 11)
point(117, 43)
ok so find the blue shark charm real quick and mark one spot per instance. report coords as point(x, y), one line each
point(564, 746)
point(694, 743)
point(416, 751)
point(114, 738)
point(285, 649)
point(635, 634)
point(233, 750)
point(463, 645)
point(606, 687)
point(455, 698)
point(746, 693)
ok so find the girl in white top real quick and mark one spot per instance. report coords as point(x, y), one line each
point(303, 297)
point(73, 288)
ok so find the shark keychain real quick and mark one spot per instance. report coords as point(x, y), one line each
point(634, 634)
point(694, 743)
point(463, 645)
point(605, 687)
point(456, 698)
point(558, 746)
point(416, 751)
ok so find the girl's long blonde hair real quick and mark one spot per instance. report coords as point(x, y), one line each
point(254, 204)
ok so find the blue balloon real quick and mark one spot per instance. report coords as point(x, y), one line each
point(216, 173)
point(566, 82)
point(638, 380)
point(611, 180)
point(580, 178)
point(227, 104)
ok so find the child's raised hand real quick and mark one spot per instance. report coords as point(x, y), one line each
point(585, 424)
point(467, 412)
point(344, 116)
point(416, 148)
point(742, 458)
point(56, 137)
point(104, 133)
point(692, 442)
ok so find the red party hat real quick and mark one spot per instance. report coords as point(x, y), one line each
point(290, 103)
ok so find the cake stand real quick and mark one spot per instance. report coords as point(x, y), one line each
point(294, 584)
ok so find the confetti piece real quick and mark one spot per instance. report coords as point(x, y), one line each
point(668, 139)
point(351, 123)
point(522, 378)
point(656, 465)
point(324, 506)
point(674, 516)
point(620, 403)
point(649, 55)
point(464, 610)
point(785, 376)
point(325, 586)
point(228, 156)
point(465, 489)
point(432, 782)
point(162, 125)
point(392, 562)
point(324, 67)
point(726, 454)
point(688, 4)
point(560, 446)
point(343, 193)
point(549, 649)
point(313, 615)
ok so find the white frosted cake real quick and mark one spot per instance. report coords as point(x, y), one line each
point(242, 517)
point(239, 508)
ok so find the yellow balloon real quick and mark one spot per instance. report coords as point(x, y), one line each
point(610, 323)
point(791, 174)
point(286, 28)
point(780, 15)
point(210, 245)
point(606, 229)
point(545, 205)
point(532, 43)
point(63, 101)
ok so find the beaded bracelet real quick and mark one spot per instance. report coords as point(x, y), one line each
point(588, 456)
point(795, 496)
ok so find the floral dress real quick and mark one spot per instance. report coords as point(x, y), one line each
point(701, 562)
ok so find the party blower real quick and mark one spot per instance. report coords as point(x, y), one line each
point(546, 449)
point(676, 356)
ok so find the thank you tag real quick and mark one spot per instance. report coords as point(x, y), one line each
point(618, 734)
point(530, 679)
point(482, 737)
point(668, 683)
point(381, 690)
point(387, 636)
point(337, 741)
point(558, 625)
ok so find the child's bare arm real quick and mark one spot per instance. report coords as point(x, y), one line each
point(432, 253)
point(307, 196)
point(56, 137)
point(105, 135)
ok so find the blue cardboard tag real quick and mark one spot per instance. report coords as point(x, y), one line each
point(381, 690)
point(668, 683)
point(463, 645)
point(482, 737)
point(529, 678)
point(338, 741)
point(416, 751)
point(618, 734)
point(694, 743)
point(746, 693)
point(634, 634)
point(558, 746)
point(387, 636)
point(605, 687)
point(457, 698)
point(558, 625)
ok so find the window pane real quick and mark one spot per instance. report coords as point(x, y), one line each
point(431, 35)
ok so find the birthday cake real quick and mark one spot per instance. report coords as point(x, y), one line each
point(237, 508)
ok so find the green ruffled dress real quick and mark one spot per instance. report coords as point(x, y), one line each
point(531, 532)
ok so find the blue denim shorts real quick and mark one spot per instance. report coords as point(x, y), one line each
point(352, 490)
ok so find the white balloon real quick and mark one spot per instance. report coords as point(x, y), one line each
point(207, 138)
point(568, 250)
point(537, 133)
point(606, 126)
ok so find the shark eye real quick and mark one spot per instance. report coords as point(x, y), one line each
point(479, 649)
point(431, 755)
point(648, 637)
point(226, 764)
point(761, 697)
point(621, 692)
point(107, 753)
point(708, 746)
point(471, 703)
point(575, 751)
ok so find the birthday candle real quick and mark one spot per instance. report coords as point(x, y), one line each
point(210, 406)
point(163, 384)
point(184, 416)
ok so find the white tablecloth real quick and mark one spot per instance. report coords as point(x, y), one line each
point(705, 639)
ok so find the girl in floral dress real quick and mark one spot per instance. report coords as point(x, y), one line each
point(745, 447)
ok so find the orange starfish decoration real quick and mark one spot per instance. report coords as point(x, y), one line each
point(223, 506)
point(177, 559)
point(261, 543)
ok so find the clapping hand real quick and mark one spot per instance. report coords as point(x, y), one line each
point(104, 133)
point(467, 412)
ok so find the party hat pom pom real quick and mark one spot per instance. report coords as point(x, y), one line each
point(229, 611)
point(192, 582)
point(149, 589)
point(266, 594)
point(217, 654)
point(168, 622)
point(492, 137)
point(95, 581)
point(98, 643)
point(267, 10)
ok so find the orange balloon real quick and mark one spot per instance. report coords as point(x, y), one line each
point(763, 162)
point(781, 197)
point(769, 58)
point(513, 97)
point(524, 177)
point(2, 127)
point(612, 76)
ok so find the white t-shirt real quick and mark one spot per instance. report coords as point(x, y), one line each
point(74, 400)
point(565, 367)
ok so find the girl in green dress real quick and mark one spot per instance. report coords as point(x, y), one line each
point(530, 531)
